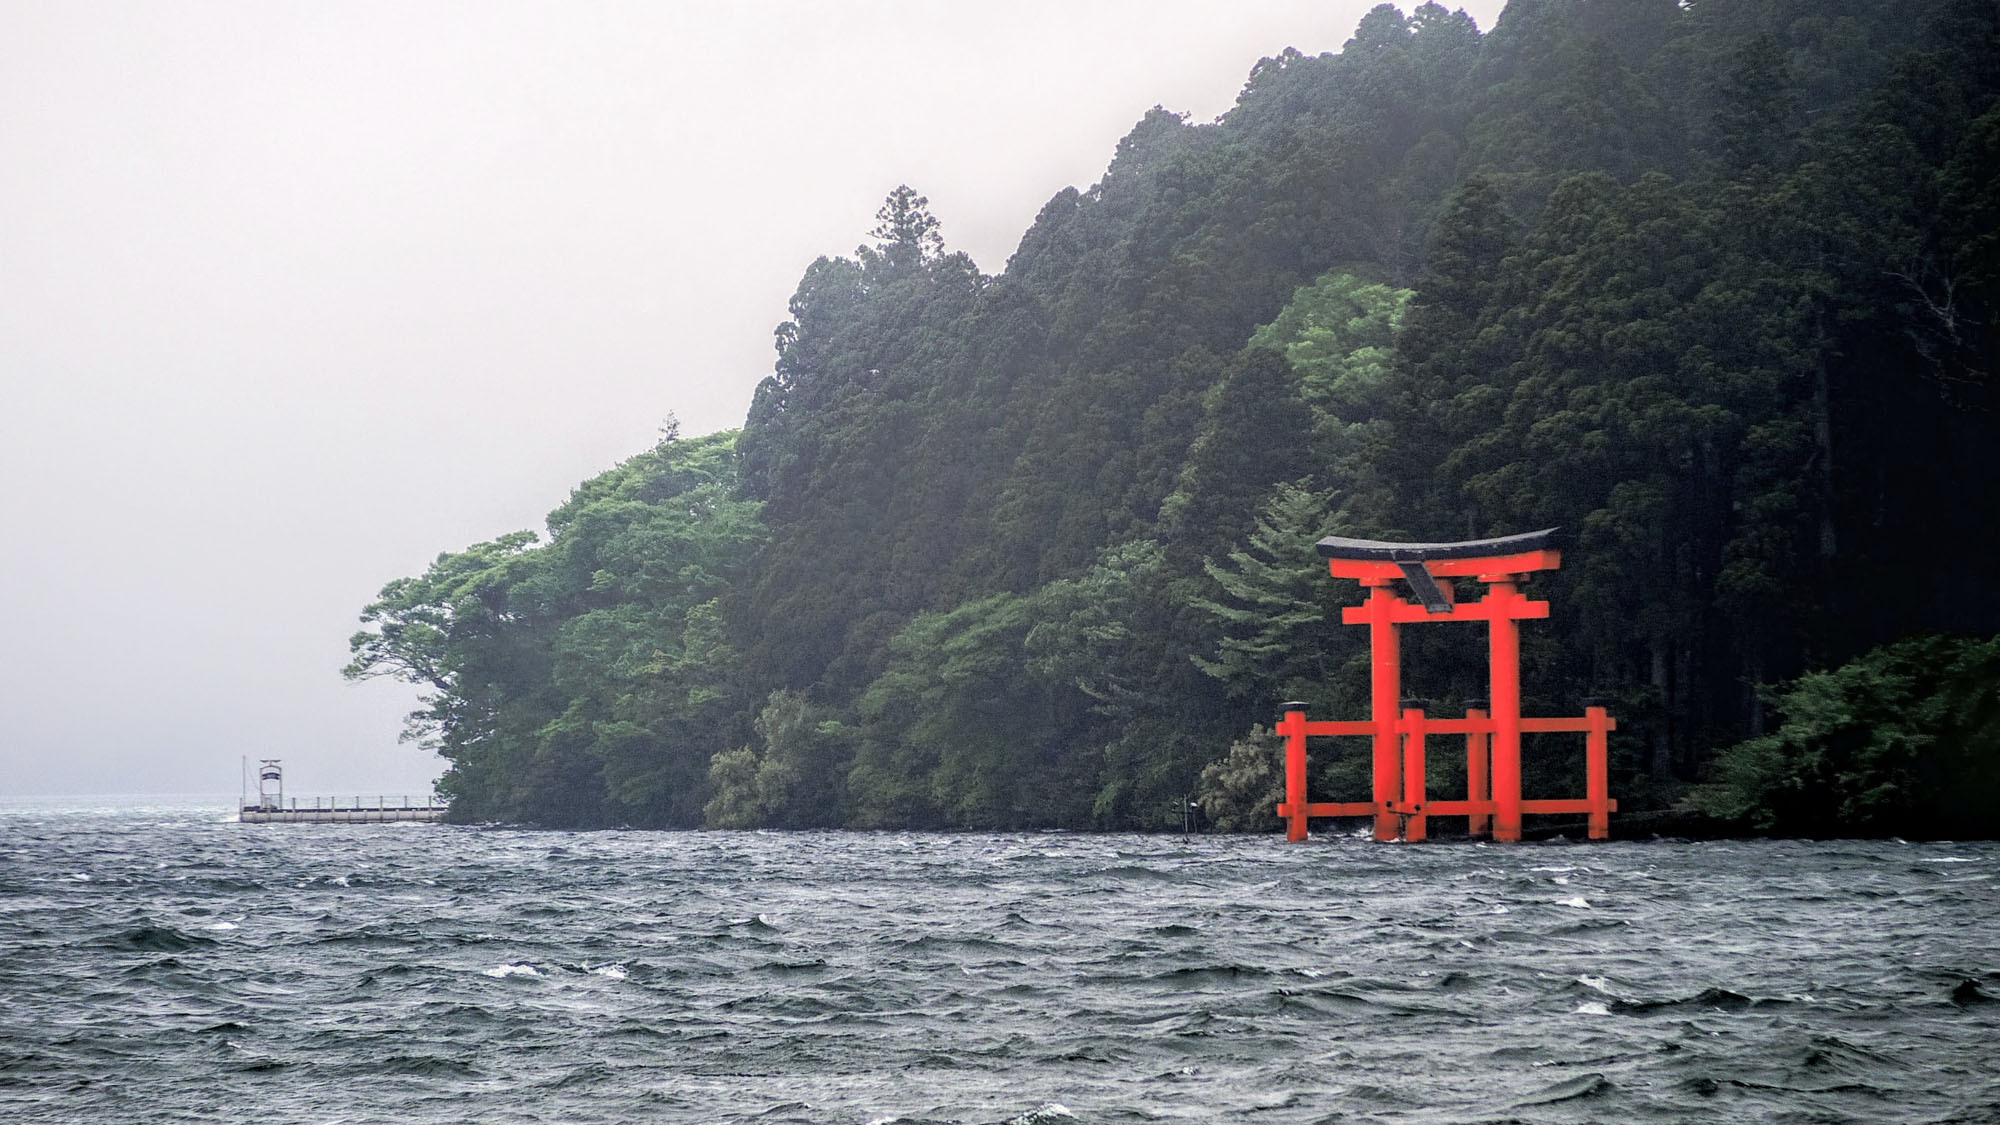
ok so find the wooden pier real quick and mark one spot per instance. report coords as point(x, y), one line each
point(270, 807)
point(345, 810)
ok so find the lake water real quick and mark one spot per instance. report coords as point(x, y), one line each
point(167, 964)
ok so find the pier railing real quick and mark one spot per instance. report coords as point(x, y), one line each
point(350, 804)
point(342, 809)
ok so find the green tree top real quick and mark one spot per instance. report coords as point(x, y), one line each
point(907, 236)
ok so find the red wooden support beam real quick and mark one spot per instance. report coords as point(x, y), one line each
point(1478, 733)
point(1597, 768)
point(1293, 727)
point(1504, 657)
point(1416, 825)
point(1385, 662)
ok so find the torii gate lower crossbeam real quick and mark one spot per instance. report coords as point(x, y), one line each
point(1400, 727)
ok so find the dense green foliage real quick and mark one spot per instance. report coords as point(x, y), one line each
point(1904, 740)
point(579, 682)
point(1714, 286)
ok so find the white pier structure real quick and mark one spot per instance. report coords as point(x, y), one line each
point(271, 807)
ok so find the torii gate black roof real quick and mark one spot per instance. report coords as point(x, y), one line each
point(1376, 550)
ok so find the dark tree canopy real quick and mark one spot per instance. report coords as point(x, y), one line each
point(1713, 286)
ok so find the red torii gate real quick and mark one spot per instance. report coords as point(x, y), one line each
point(1400, 726)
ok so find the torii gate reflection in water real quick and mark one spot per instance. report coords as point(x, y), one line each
point(1399, 727)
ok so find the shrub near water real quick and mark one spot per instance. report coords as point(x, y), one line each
point(1904, 740)
point(1241, 792)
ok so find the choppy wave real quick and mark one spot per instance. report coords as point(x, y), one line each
point(205, 970)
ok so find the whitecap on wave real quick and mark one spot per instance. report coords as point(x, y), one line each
point(502, 971)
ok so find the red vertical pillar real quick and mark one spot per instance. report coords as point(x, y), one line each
point(1293, 727)
point(1415, 823)
point(1386, 675)
point(1504, 653)
point(1597, 768)
point(1477, 788)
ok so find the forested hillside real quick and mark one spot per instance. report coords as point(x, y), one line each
point(1712, 285)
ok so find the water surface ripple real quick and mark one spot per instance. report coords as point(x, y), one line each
point(164, 963)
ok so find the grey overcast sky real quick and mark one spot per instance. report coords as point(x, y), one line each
point(295, 296)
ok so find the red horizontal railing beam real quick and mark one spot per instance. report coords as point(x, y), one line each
point(1406, 613)
point(1485, 808)
point(1342, 727)
point(1573, 805)
point(1358, 727)
point(1332, 808)
point(1550, 726)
